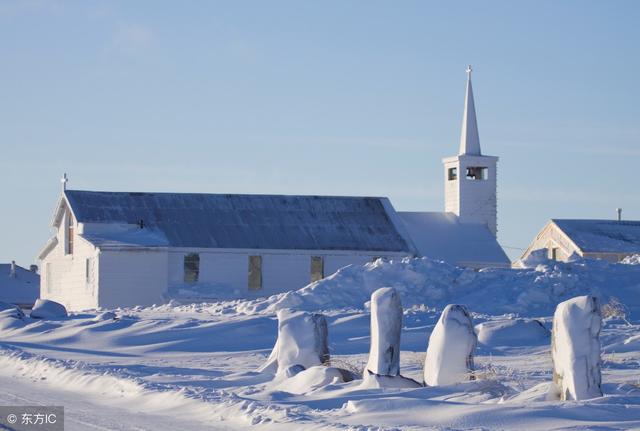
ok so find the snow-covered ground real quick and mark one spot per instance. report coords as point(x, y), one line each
point(194, 366)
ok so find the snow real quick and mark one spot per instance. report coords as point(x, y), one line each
point(386, 326)
point(576, 348)
point(193, 366)
point(452, 345)
point(512, 332)
point(47, 309)
point(441, 236)
point(301, 343)
point(529, 292)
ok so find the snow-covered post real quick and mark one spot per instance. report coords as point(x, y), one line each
point(386, 325)
point(451, 346)
point(575, 347)
point(302, 342)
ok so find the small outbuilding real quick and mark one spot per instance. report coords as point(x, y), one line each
point(18, 285)
point(611, 240)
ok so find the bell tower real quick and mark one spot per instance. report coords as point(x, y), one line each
point(470, 178)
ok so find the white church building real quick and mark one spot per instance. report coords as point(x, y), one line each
point(115, 249)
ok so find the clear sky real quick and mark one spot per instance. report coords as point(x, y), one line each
point(332, 97)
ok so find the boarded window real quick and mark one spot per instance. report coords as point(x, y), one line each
point(191, 267)
point(255, 272)
point(477, 173)
point(453, 174)
point(317, 268)
point(69, 229)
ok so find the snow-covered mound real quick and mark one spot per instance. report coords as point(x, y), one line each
point(301, 343)
point(528, 291)
point(47, 309)
point(512, 332)
point(452, 344)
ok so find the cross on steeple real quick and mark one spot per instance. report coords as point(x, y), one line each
point(469, 70)
point(64, 180)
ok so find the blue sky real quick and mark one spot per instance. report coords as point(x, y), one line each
point(301, 97)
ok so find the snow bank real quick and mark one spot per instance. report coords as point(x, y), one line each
point(530, 292)
point(301, 343)
point(386, 326)
point(512, 332)
point(451, 346)
point(47, 309)
point(576, 348)
point(14, 310)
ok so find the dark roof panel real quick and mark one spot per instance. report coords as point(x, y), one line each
point(247, 221)
point(602, 236)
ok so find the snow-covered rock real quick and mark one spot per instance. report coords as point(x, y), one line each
point(576, 348)
point(451, 347)
point(512, 332)
point(302, 342)
point(312, 379)
point(47, 309)
point(386, 326)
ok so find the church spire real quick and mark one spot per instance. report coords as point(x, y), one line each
point(469, 139)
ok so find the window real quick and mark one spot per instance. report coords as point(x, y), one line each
point(553, 253)
point(255, 272)
point(69, 232)
point(453, 174)
point(317, 268)
point(88, 270)
point(477, 173)
point(49, 277)
point(191, 267)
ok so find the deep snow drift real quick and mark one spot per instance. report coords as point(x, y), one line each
point(528, 292)
point(193, 366)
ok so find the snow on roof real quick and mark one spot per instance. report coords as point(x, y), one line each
point(239, 221)
point(440, 235)
point(24, 288)
point(602, 236)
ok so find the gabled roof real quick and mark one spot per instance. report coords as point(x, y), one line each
point(440, 235)
point(602, 236)
point(24, 288)
point(241, 221)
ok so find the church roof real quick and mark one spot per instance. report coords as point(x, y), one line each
point(440, 235)
point(469, 138)
point(237, 221)
point(602, 236)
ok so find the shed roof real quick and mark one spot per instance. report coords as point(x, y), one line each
point(243, 221)
point(24, 288)
point(440, 235)
point(602, 236)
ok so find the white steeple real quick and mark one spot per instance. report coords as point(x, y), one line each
point(470, 178)
point(469, 139)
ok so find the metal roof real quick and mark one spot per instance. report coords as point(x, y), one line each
point(602, 236)
point(246, 221)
